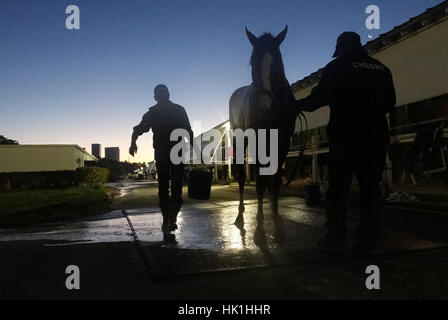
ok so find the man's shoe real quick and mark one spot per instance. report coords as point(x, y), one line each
point(173, 219)
point(166, 220)
point(169, 238)
point(165, 227)
point(166, 224)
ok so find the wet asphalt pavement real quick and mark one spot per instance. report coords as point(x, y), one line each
point(210, 257)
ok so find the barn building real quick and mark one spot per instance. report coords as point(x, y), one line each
point(45, 157)
point(417, 54)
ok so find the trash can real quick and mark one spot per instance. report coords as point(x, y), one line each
point(199, 184)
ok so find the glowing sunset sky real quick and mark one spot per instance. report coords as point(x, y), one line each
point(92, 85)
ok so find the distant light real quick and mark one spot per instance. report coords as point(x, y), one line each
point(226, 125)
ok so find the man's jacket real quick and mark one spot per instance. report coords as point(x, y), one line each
point(359, 91)
point(163, 119)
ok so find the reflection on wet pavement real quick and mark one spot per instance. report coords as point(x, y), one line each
point(110, 227)
point(125, 187)
point(207, 238)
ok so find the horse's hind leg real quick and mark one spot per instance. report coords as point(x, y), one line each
point(241, 176)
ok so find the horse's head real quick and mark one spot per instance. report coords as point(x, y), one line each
point(266, 60)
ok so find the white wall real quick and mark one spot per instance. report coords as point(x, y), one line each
point(419, 65)
point(35, 158)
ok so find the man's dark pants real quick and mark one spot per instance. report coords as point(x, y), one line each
point(367, 163)
point(167, 171)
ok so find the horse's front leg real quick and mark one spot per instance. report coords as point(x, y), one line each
point(241, 174)
point(274, 192)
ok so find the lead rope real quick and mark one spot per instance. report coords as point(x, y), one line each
point(301, 117)
point(140, 248)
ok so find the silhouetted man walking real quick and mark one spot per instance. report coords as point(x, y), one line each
point(359, 91)
point(163, 118)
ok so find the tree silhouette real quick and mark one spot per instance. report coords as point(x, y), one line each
point(4, 140)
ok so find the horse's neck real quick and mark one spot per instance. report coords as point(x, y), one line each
point(277, 92)
point(262, 79)
point(266, 66)
point(276, 88)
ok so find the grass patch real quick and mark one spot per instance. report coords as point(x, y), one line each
point(24, 207)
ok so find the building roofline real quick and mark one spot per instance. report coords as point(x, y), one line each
point(43, 146)
point(218, 126)
point(414, 25)
point(221, 124)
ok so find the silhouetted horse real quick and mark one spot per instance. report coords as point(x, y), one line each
point(266, 104)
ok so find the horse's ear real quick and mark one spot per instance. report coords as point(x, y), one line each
point(281, 36)
point(252, 38)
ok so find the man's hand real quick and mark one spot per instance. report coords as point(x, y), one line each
point(304, 105)
point(133, 148)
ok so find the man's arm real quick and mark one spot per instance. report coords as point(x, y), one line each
point(142, 127)
point(320, 95)
point(186, 125)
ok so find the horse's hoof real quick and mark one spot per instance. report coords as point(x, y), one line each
point(241, 209)
point(260, 239)
point(239, 221)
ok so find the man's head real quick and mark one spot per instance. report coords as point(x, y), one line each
point(347, 41)
point(161, 93)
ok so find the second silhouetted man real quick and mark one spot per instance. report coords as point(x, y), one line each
point(163, 118)
point(359, 91)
